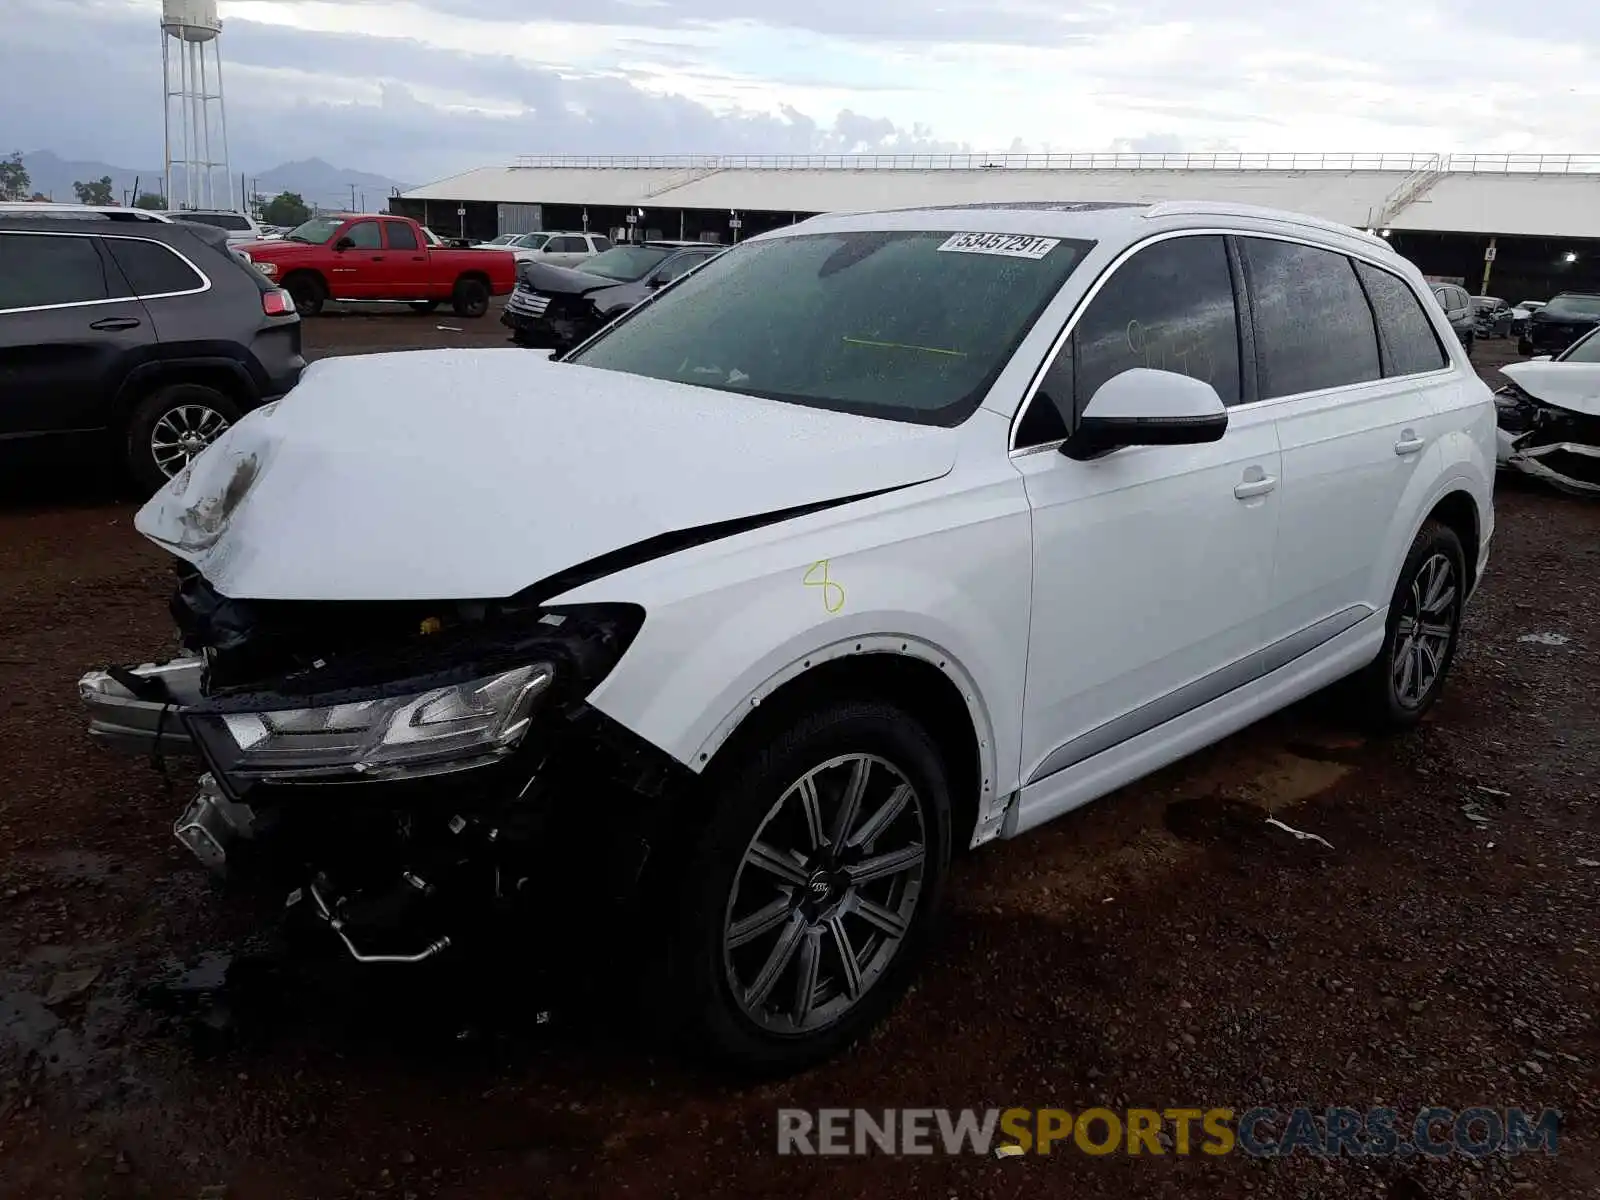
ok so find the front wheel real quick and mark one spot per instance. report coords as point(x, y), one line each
point(1424, 626)
point(470, 298)
point(811, 895)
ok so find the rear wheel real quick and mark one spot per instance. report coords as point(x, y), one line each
point(811, 894)
point(308, 293)
point(171, 426)
point(1399, 686)
point(470, 298)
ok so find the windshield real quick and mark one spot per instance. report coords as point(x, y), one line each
point(1585, 350)
point(627, 263)
point(909, 325)
point(1574, 306)
point(505, 239)
point(531, 241)
point(315, 231)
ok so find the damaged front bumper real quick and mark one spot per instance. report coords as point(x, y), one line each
point(397, 777)
point(1547, 442)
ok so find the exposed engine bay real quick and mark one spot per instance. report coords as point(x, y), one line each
point(400, 771)
point(1557, 444)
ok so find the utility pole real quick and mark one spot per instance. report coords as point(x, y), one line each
point(352, 197)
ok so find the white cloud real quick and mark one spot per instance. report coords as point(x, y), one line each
point(420, 87)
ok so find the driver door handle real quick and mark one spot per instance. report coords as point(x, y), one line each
point(1409, 443)
point(115, 323)
point(1257, 485)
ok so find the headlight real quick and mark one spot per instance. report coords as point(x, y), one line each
point(445, 728)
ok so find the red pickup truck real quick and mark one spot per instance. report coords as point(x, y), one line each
point(366, 257)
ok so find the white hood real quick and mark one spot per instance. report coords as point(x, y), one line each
point(1571, 385)
point(454, 474)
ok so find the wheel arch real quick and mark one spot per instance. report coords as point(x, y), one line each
point(473, 275)
point(909, 672)
point(225, 375)
point(304, 273)
point(1458, 511)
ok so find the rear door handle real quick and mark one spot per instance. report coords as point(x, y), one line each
point(1409, 443)
point(376, 258)
point(1255, 484)
point(115, 323)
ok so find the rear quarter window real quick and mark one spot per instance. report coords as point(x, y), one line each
point(1409, 342)
point(151, 268)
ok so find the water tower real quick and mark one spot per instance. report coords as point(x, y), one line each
point(197, 170)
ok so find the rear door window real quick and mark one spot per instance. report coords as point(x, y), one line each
point(567, 245)
point(599, 243)
point(1410, 344)
point(39, 270)
point(1313, 327)
point(400, 235)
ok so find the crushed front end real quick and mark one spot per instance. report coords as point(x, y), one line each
point(400, 771)
point(1548, 442)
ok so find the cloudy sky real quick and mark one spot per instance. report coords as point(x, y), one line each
point(417, 89)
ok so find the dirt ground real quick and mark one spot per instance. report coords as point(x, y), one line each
point(1155, 949)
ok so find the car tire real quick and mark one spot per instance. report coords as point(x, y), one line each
point(1404, 681)
point(1524, 346)
point(745, 924)
point(424, 306)
point(170, 426)
point(470, 298)
point(308, 292)
point(1466, 343)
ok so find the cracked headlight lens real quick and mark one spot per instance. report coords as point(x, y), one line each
point(395, 735)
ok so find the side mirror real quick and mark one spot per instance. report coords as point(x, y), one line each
point(1145, 407)
point(655, 281)
point(344, 243)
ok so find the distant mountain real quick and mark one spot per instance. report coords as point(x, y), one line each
point(329, 186)
point(318, 182)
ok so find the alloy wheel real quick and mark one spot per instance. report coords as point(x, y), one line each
point(825, 894)
point(1426, 626)
point(181, 433)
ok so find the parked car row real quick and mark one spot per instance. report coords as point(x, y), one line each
point(849, 547)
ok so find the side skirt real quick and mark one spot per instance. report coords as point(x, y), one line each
point(1109, 768)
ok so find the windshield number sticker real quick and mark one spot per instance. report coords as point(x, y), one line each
point(1007, 245)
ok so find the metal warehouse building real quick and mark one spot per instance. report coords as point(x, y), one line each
point(1517, 226)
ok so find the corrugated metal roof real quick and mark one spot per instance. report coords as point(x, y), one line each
point(1531, 205)
point(1558, 198)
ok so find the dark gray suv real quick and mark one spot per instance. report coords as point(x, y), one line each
point(149, 339)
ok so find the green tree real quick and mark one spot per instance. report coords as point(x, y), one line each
point(286, 208)
point(96, 191)
point(14, 181)
point(151, 201)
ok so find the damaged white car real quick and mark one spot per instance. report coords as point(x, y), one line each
point(1549, 417)
point(875, 538)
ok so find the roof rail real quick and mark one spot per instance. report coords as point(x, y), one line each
point(1221, 208)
